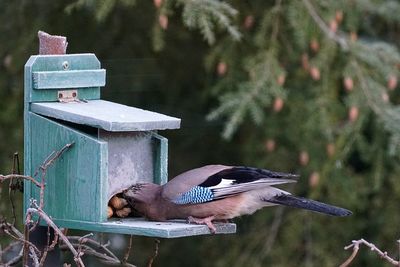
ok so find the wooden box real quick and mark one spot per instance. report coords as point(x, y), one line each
point(115, 146)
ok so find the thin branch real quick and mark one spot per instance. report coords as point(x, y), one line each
point(54, 156)
point(49, 246)
point(356, 246)
point(87, 250)
point(322, 25)
point(83, 239)
point(11, 176)
point(95, 244)
point(128, 250)
point(45, 165)
point(81, 245)
point(12, 187)
point(46, 218)
point(34, 257)
point(12, 232)
point(151, 260)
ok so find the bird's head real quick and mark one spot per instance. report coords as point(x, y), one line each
point(145, 198)
point(142, 193)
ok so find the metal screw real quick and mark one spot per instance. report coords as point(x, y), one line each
point(60, 95)
point(65, 65)
point(74, 94)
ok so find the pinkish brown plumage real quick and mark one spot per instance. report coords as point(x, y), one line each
point(218, 192)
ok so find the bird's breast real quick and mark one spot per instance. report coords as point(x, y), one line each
point(223, 209)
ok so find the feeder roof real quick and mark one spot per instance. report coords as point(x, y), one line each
point(107, 115)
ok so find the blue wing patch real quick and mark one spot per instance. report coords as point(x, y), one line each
point(197, 194)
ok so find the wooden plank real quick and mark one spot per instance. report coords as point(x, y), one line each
point(107, 115)
point(160, 151)
point(86, 61)
point(45, 63)
point(69, 79)
point(140, 226)
point(76, 185)
point(27, 134)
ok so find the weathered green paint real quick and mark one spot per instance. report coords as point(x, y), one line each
point(139, 226)
point(50, 63)
point(115, 146)
point(76, 184)
point(160, 148)
point(62, 63)
point(69, 79)
point(107, 115)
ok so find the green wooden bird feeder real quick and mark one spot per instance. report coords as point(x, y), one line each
point(115, 146)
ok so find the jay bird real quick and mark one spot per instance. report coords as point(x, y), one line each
point(218, 193)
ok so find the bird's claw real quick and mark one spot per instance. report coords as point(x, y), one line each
point(207, 221)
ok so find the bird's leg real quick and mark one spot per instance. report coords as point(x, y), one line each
point(207, 221)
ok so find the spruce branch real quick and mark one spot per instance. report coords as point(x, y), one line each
point(322, 25)
point(252, 95)
point(206, 14)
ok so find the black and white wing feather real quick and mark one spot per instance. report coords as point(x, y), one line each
point(232, 181)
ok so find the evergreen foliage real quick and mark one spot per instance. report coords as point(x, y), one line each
point(306, 86)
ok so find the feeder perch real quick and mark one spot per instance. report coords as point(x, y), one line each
point(115, 146)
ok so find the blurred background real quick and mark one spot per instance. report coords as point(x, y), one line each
point(307, 86)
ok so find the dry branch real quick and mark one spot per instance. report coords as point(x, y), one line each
point(18, 176)
point(37, 210)
point(356, 246)
point(151, 260)
point(78, 245)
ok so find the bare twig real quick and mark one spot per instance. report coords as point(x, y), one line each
point(13, 232)
point(95, 244)
point(90, 246)
point(54, 156)
point(49, 246)
point(46, 218)
point(322, 25)
point(76, 244)
point(12, 187)
point(356, 246)
point(83, 239)
point(43, 170)
point(151, 260)
point(46, 164)
point(26, 177)
point(103, 257)
point(34, 257)
point(128, 250)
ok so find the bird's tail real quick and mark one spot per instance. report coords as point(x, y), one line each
point(308, 204)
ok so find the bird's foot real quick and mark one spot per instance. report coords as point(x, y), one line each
point(207, 221)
